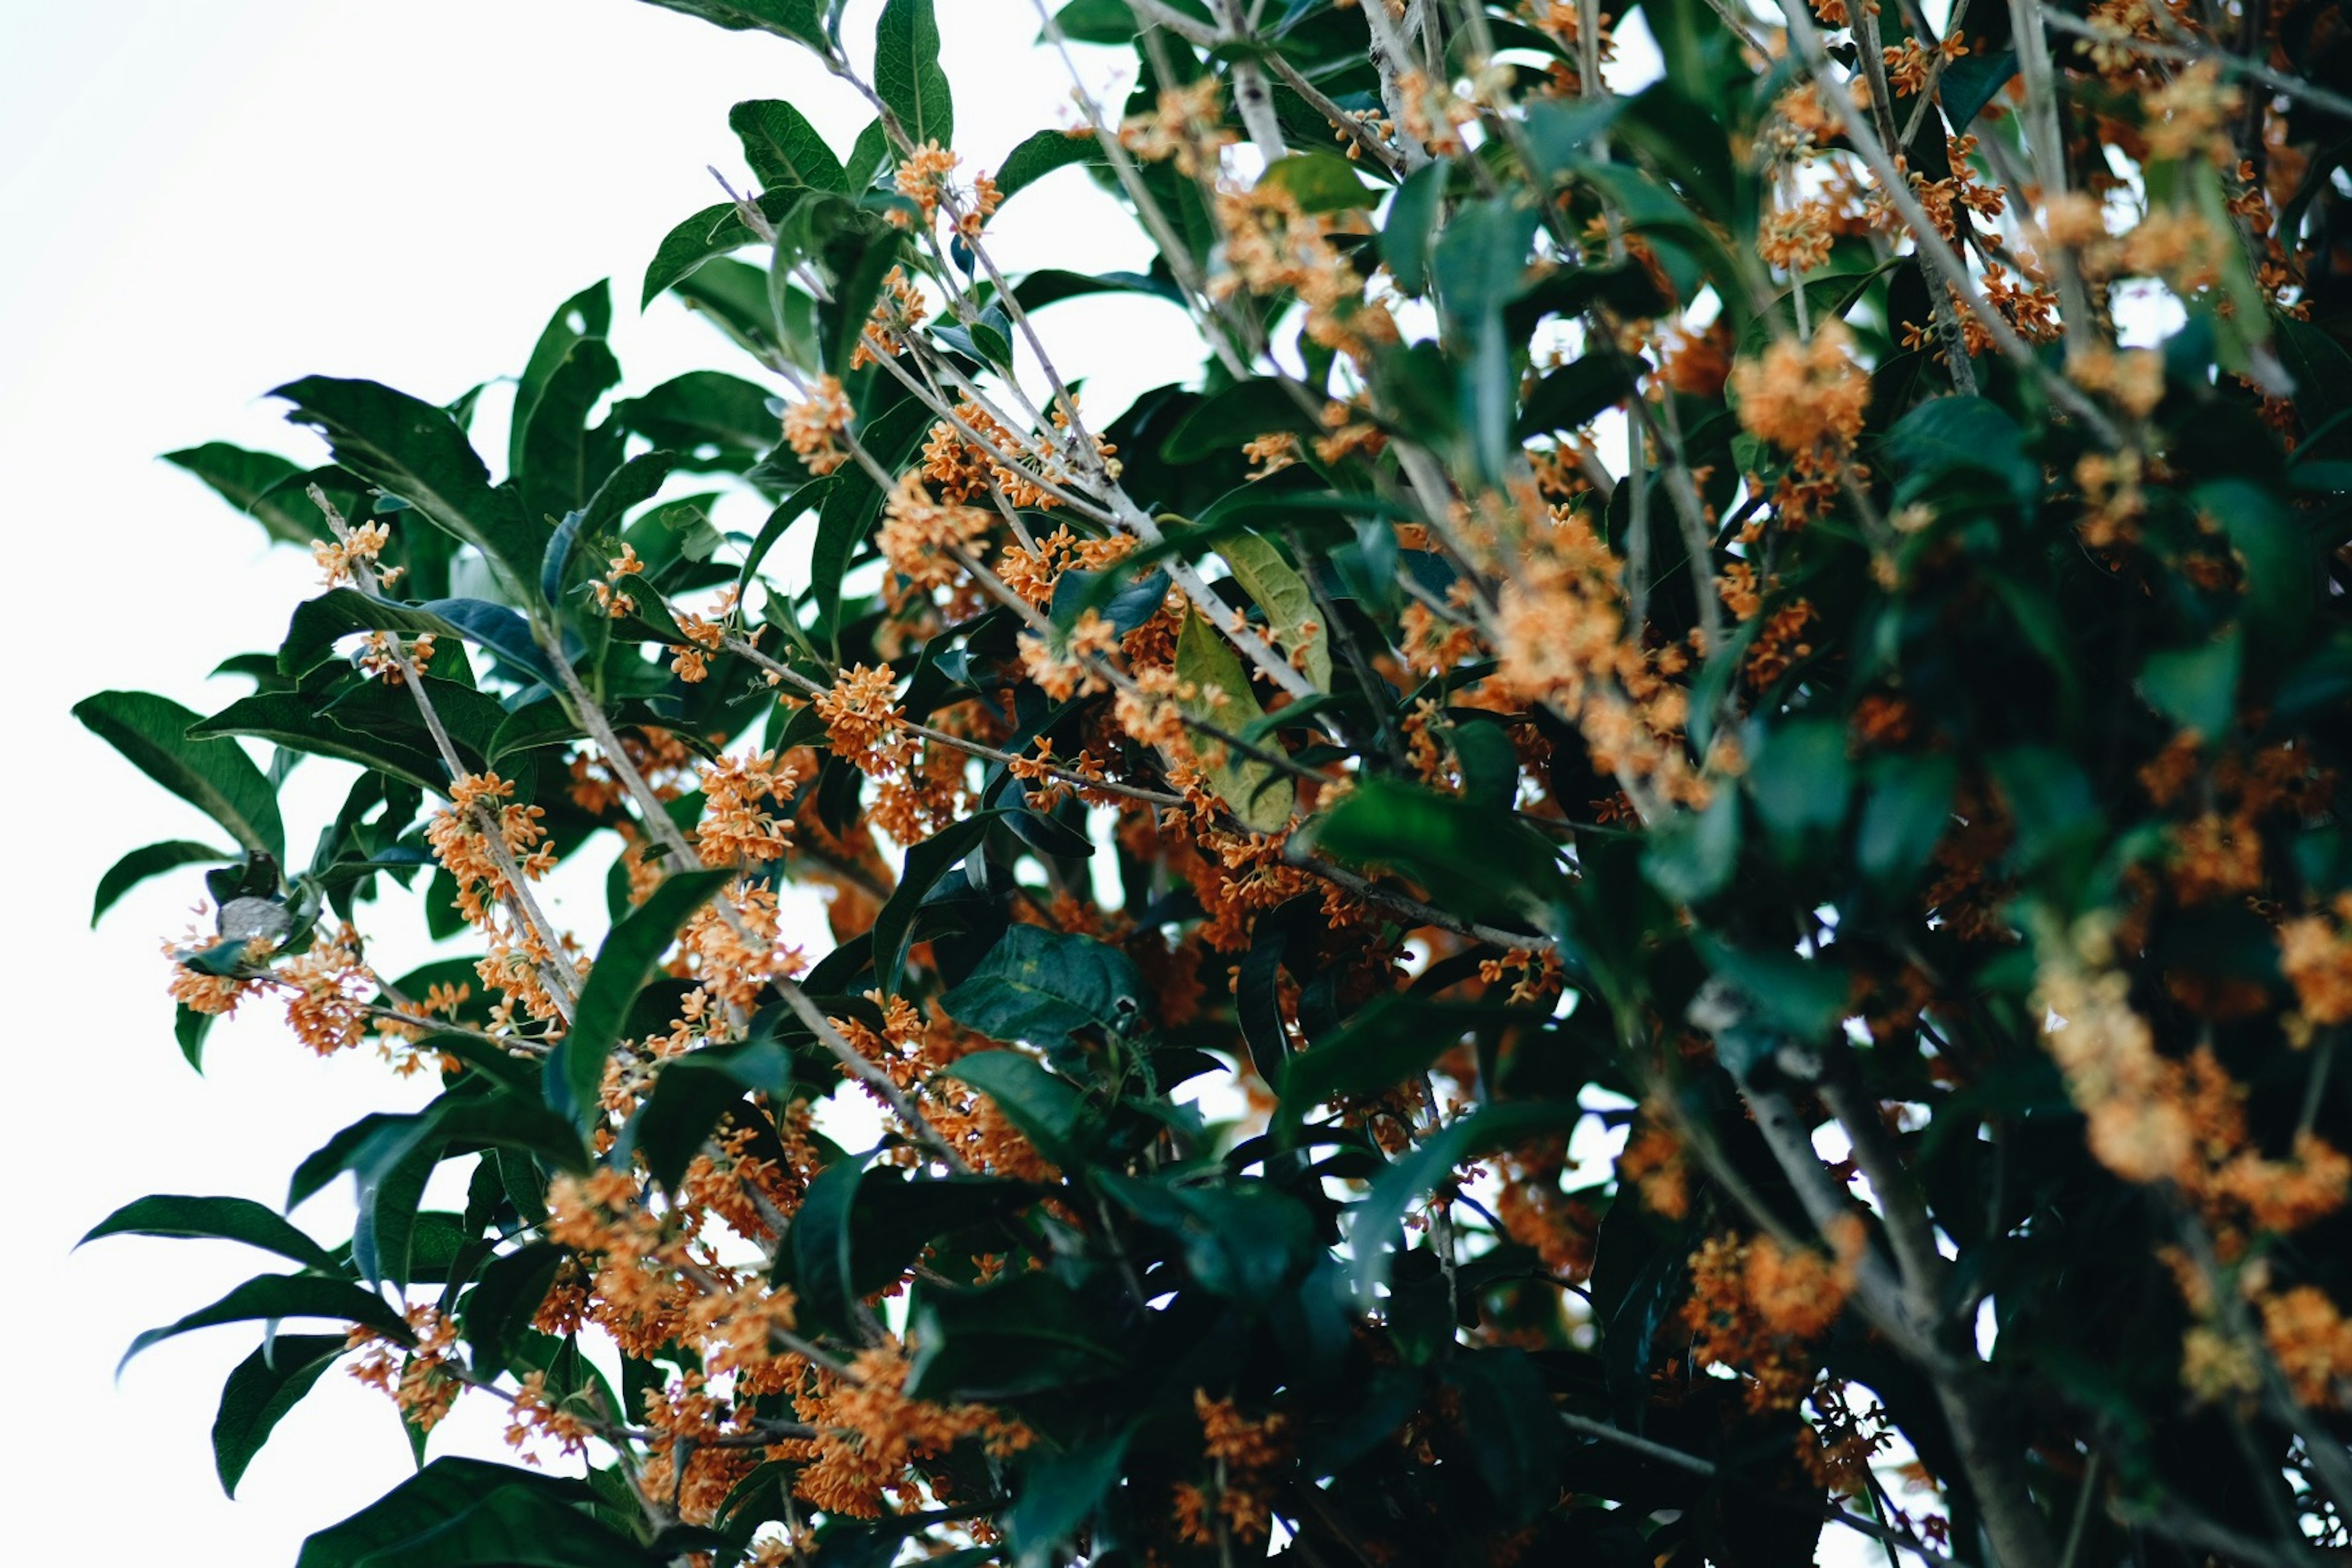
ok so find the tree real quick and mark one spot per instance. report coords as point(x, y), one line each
point(1669, 855)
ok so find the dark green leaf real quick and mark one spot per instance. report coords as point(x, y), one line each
point(1042, 987)
point(439, 1493)
point(223, 1219)
point(927, 864)
point(782, 148)
point(630, 953)
point(1906, 811)
point(276, 1296)
point(801, 20)
point(295, 723)
point(564, 460)
point(1481, 861)
point(907, 72)
point(263, 1386)
point(150, 860)
point(415, 451)
point(501, 1308)
point(1040, 155)
point(214, 777)
point(1059, 1493)
point(251, 482)
point(1027, 1332)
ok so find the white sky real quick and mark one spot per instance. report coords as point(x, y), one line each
point(199, 201)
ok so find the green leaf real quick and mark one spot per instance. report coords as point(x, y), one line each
point(2196, 688)
point(1039, 154)
point(821, 1239)
point(1906, 811)
point(1946, 436)
point(414, 450)
point(247, 480)
point(1691, 855)
point(927, 864)
point(150, 860)
point(1059, 1493)
point(715, 230)
point(1379, 1219)
point(1972, 81)
point(501, 1308)
point(1261, 796)
point(691, 1093)
point(1244, 1243)
point(292, 720)
point(564, 460)
point(1220, 424)
point(1289, 604)
point(1412, 224)
point(853, 503)
point(214, 777)
point(1479, 860)
point(189, 1028)
point(430, 1501)
point(907, 72)
point(263, 1386)
point(1515, 1438)
point(800, 20)
point(631, 952)
point(710, 418)
point(1042, 987)
point(1028, 1332)
point(1045, 1108)
point(1321, 182)
point(587, 315)
point(222, 1219)
point(276, 1296)
point(1799, 781)
point(782, 148)
point(1576, 394)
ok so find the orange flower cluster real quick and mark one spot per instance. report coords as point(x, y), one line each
point(735, 826)
point(813, 427)
point(871, 1439)
point(1757, 1307)
point(1242, 1452)
point(1807, 399)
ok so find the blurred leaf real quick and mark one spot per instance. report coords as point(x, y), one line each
point(2196, 688)
point(1321, 182)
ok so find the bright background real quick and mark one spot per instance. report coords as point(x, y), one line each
point(199, 200)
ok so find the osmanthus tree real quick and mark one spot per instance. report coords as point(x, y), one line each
point(1670, 609)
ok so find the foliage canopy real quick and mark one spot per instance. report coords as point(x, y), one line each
point(1660, 872)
